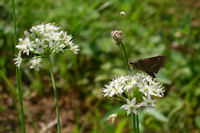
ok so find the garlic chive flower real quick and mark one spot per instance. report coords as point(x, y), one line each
point(35, 63)
point(112, 117)
point(18, 60)
point(148, 102)
point(140, 91)
point(42, 41)
point(131, 106)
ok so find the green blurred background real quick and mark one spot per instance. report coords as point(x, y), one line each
point(152, 27)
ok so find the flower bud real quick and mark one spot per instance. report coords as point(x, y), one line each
point(117, 36)
point(33, 36)
point(26, 33)
point(122, 13)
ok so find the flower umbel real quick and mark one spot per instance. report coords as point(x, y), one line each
point(140, 89)
point(42, 41)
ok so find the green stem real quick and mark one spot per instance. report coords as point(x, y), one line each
point(39, 84)
point(20, 100)
point(126, 57)
point(55, 95)
point(134, 127)
point(137, 123)
point(11, 88)
point(18, 73)
point(135, 117)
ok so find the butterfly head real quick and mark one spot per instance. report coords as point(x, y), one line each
point(133, 64)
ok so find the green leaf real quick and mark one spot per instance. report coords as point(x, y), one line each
point(121, 125)
point(197, 121)
point(157, 115)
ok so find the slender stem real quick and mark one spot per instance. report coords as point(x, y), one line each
point(126, 57)
point(134, 127)
point(55, 95)
point(18, 73)
point(39, 85)
point(124, 29)
point(14, 25)
point(20, 100)
point(135, 117)
point(137, 123)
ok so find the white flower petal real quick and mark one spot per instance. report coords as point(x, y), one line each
point(112, 117)
point(133, 101)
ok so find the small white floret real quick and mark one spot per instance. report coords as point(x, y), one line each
point(35, 63)
point(130, 106)
point(112, 117)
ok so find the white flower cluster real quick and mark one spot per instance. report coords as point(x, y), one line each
point(137, 91)
point(43, 40)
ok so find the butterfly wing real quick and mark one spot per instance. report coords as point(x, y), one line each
point(149, 65)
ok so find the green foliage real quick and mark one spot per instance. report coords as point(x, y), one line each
point(152, 27)
point(121, 126)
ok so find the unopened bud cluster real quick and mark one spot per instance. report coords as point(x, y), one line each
point(117, 36)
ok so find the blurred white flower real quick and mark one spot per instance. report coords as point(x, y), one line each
point(131, 84)
point(25, 45)
point(122, 13)
point(18, 60)
point(75, 49)
point(148, 102)
point(145, 90)
point(131, 106)
point(112, 117)
point(149, 86)
point(115, 87)
point(35, 63)
point(108, 91)
point(44, 40)
point(26, 33)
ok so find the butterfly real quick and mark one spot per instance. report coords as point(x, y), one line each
point(149, 65)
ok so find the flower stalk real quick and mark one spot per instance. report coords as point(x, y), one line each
point(125, 55)
point(117, 36)
point(18, 73)
point(134, 124)
point(134, 117)
point(55, 96)
point(137, 123)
